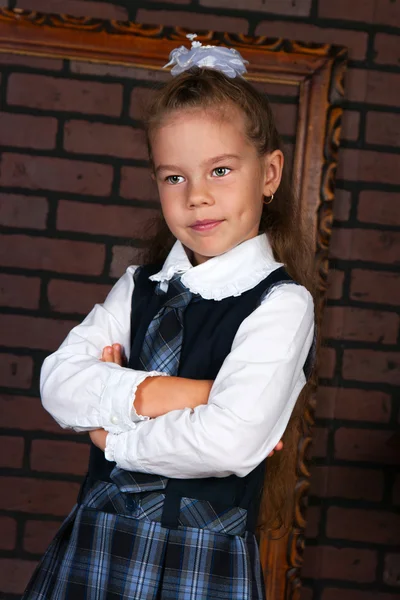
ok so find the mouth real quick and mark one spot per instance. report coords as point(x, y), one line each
point(205, 225)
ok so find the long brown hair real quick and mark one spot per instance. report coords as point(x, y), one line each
point(282, 219)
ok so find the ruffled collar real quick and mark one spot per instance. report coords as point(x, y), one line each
point(229, 274)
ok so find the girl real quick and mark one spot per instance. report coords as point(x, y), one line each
point(218, 329)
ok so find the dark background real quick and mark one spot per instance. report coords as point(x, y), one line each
point(71, 199)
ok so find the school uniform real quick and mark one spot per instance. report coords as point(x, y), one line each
point(170, 509)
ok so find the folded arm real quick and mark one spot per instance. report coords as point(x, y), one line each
point(85, 393)
point(249, 405)
point(80, 391)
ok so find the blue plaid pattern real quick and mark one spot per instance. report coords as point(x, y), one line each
point(112, 545)
point(163, 340)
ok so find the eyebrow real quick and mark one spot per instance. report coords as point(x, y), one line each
point(210, 161)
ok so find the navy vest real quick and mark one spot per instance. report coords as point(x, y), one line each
point(209, 330)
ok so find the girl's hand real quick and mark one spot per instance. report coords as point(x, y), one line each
point(114, 354)
point(278, 447)
point(98, 437)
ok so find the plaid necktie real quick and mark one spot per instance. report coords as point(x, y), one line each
point(163, 340)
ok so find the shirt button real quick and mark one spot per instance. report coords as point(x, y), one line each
point(114, 419)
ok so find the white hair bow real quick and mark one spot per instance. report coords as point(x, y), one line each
point(227, 60)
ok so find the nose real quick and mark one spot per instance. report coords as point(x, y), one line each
point(198, 193)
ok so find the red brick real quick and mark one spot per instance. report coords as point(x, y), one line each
point(356, 84)
point(33, 62)
point(63, 256)
point(297, 8)
point(342, 205)
point(319, 442)
point(136, 183)
point(52, 93)
point(306, 593)
point(366, 245)
point(391, 573)
point(285, 118)
point(33, 332)
point(35, 417)
point(383, 128)
point(335, 284)
point(122, 257)
point(372, 366)
point(124, 221)
point(327, 362)
point(387, 49)
point(39, 496)
point(382, 88)
point(38, 535)
point(77, 8)
point(355, 41)
point(366, 445)
point(19, 291)
point(58, 174)
point(353, 405)
point(343, 594)
point(59, 457)
point(74, 297)
point(350, 564)
point(370, 526)
point(350, 323)
point(140, 99)
point(313, 517)
point(379, 207)
point(358, 10)
point(387, 12)
point(23, 211)
point(396, 490)
point(375, 286)
point(11, 451)
point(119, 71)
point(186, 19)
point(27, 131)
point(16, 371)
point(350, 125)
point(8, 528)
point(99, 138)
point(368, 165)
point(344, 482)
point(15, 574)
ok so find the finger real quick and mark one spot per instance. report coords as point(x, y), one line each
point(118, 354)
point(108, 354)
point(279, 446)
point(271, 454)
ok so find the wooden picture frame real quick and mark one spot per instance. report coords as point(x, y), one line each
point(318, 72)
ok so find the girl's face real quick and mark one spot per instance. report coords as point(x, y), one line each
point(207, 170)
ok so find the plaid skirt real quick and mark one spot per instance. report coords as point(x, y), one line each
point(112, 545)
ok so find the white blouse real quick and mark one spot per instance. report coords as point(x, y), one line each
point(250, 401)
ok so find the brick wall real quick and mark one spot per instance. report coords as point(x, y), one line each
point(71, 199)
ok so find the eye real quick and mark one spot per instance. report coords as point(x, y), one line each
point(221, 171)
point(174, 179)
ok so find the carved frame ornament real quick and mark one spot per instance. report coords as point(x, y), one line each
point(318, 72)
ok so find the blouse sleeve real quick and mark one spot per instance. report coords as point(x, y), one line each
point(80, 391)
point(249, 405)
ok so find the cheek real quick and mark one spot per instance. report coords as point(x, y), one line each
point(170, 206)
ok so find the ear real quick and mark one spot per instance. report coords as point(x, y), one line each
point(273, 164)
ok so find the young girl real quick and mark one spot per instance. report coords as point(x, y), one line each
point(219, 340)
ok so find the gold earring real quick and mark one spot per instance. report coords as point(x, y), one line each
point(270, 200)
